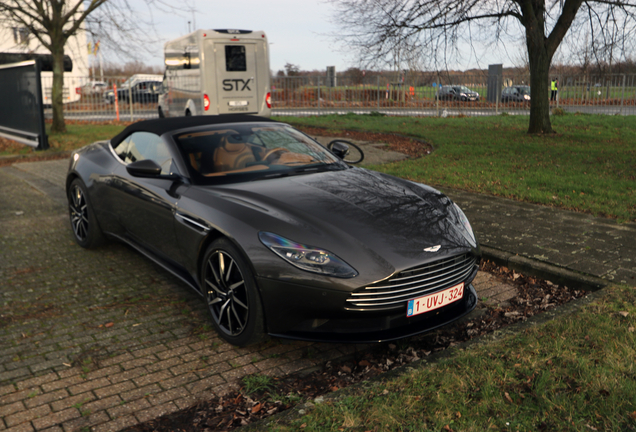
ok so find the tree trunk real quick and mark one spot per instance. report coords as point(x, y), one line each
point(57, 91)
point(540, 60)
point(540, 86)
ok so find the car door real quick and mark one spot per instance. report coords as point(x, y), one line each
point(145, 207)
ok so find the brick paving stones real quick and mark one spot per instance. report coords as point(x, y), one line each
point(106, 339)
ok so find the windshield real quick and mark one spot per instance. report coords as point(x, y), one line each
point(464, 89)
point(248, 151)
point(524, 90)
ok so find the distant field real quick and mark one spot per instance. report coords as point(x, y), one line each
point(589, 165)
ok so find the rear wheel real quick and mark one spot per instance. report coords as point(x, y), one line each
point(161, 115)
point(231, 295)
point(86, 231)
point(188, 113)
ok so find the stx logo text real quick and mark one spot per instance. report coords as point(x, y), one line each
point(236, 85)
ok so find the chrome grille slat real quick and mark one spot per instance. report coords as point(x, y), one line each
point(426, 268)
point(458, 273)
point(429, 276)
point(410, 294)
point(405, 285)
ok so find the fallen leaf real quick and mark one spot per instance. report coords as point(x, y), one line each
point(345, 369)
point(256, 408)
point(633, 415)
point(364, 363)
point(630, 329)
point(508, 398)
point(110, 324)
point(334, 388)
point(624, 314)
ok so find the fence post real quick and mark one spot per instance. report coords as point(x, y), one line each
point(130, 101)
point(437, 99)
point(497, 94)
point(319, 95)
point(558, 91)
point(116, 101)
point(378, 86)
point(622, 95)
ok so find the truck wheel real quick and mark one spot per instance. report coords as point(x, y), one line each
point(188, 113)
point(161, 114)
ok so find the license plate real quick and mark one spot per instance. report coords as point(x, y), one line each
point(431, 302)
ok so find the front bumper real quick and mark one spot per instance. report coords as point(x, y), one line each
point(300, 312)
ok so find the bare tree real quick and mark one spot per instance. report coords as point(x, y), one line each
point(376, 28)
point(115, 22)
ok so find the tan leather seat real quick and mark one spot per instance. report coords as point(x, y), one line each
point(231, 156)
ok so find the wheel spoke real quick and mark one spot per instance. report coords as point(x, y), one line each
point(238, 319)
point(240, 303)
point(236, 285)
point(215, 301)
point(229, 271)
point(223, 307)
point(229, 320)
point(214, 287)
point(216, 276)
point(221, 266)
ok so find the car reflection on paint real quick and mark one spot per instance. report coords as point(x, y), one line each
point(277, 234)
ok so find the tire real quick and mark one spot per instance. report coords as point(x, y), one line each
point(188, 113)
point(354, 155)
point(231, 295)
point(86, 230)
point(161, 114)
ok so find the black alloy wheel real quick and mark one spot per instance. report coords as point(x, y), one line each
point(86, 230)
point(231, 295)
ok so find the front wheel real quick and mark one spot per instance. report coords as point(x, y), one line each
point(354, 154)
point(86, 230)
point(231, 295)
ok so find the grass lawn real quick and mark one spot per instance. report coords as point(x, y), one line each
point(589, 165)
point(575, 373)
point(77, 135)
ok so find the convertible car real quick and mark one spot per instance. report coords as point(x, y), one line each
point(278, 235)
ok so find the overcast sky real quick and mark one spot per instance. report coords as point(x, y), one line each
point(300, 32)
point(296, 29)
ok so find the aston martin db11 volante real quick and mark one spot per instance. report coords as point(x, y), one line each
point(275, 231)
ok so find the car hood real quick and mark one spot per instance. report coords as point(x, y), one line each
point(353, 212)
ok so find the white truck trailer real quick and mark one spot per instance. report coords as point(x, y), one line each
point(210, 72)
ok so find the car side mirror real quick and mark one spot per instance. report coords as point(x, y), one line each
point(340, 149)
point(144, 168)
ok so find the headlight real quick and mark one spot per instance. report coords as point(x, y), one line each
point(526, 97)
point(306, 257)
point(468, 230)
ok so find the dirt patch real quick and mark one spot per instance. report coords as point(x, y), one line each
point(239, 408)
point(402, 144)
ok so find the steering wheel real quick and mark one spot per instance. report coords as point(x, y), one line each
point(274, 150)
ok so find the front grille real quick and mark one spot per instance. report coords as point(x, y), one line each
point(413, 283)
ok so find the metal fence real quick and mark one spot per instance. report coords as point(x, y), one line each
point(392, 94)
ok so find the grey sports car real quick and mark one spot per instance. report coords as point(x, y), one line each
point(277, 233)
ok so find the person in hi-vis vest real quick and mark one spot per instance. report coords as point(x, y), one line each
point(554, 87)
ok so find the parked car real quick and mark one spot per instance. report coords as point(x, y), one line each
point(519, 93)
point(93, 87)
point(461, 93)
point(275, 232)
point(142, 92)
